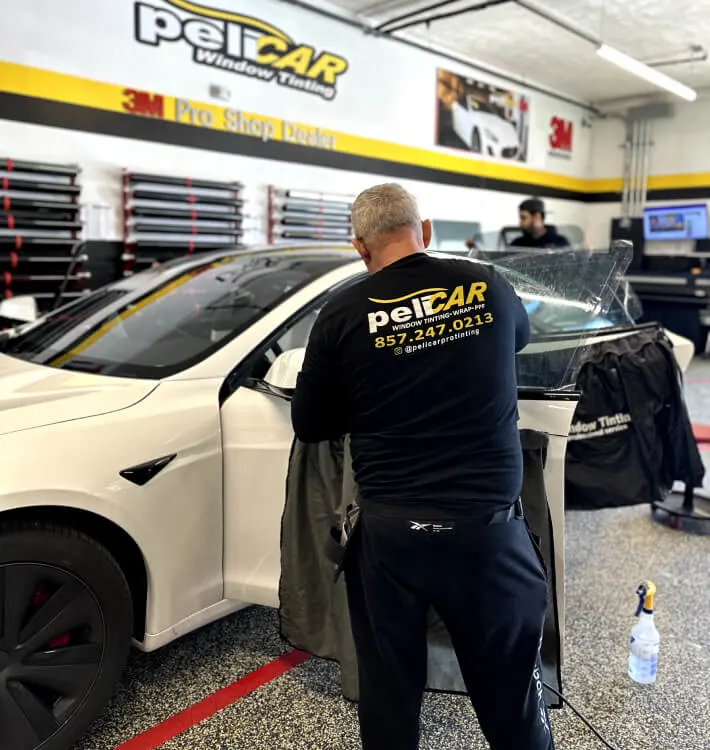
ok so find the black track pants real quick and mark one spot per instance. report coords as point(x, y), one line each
point(488, 586)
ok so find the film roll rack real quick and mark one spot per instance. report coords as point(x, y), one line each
point(41, 252)
point(307, 216)
point(166, 217)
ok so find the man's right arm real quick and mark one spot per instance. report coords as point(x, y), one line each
point(522, 323)
point(520, 315)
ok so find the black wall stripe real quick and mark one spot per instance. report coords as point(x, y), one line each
point(88, 120)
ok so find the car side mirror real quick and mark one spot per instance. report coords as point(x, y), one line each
point(283, 373)
point(22, 309)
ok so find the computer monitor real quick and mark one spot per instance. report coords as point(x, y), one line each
point(673, 223)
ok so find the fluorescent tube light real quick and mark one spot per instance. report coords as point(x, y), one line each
point(639, 69)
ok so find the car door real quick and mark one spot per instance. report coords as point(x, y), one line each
point(256, 437)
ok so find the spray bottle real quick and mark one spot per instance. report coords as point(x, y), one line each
point(645, 640)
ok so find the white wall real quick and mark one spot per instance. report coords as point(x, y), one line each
point(103, 157)
point(388, 93)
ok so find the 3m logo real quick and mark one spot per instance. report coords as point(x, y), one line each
point(248, 46)
point(560, 134)
point(143, 103)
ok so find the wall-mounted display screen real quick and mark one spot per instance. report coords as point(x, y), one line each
point(676, 223)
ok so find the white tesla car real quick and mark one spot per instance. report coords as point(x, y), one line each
point(480, 126)
point(145, 442)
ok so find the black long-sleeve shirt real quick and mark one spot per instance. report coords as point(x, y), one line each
point(417, 363)
point(550, 239)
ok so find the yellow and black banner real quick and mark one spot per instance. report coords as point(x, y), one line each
point(42, 97)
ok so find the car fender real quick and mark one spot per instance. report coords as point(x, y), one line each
point(175, 519)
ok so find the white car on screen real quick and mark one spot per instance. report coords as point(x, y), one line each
point(145, 433)
point(484, 130)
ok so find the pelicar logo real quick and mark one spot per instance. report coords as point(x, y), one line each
point(424, 304)
point(240, 44)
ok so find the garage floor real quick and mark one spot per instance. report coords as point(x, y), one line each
point(608, 554)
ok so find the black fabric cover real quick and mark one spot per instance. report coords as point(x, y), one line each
point(313, 608)
point(632, 436)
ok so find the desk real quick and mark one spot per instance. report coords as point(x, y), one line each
point(679, 302)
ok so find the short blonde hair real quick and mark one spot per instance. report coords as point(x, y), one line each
point(382, 210)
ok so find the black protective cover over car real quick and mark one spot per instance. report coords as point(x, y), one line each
point(313, 607)
point(632, 436)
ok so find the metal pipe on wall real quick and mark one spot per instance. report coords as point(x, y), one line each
point(632, 168)
point(459, 59)
point(648, 143)
point(626, 174)
point(641, 167)
point(481, 5)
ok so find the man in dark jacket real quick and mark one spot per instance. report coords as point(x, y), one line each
point(535, 232)
point(417, 364)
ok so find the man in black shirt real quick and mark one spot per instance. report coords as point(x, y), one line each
point(417, 364)
point(535, 232)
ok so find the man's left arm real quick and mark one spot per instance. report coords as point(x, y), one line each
point(318, 407)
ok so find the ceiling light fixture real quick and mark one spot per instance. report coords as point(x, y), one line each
point(612, 55)
point(641, 70)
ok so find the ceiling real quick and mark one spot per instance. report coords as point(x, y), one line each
point(514, 40)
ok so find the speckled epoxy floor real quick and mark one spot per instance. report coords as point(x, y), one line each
point(608, 553)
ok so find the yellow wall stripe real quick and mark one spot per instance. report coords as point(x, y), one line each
point(59, 87)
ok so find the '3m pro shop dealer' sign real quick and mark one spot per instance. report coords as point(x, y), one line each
point(240, 44)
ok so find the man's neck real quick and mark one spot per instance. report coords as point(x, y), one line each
point(539, 232)
point(394, 252)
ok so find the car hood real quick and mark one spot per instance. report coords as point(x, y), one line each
point(34, 395)
point(502, 128)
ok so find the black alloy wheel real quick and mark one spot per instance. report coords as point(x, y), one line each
point(61, 650)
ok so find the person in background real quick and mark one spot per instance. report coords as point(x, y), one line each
point(417, 363)
point(535, 232)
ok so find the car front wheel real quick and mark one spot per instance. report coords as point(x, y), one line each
point(65, 631)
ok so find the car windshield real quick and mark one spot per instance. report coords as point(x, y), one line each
point(173, 324)
point(481, 106)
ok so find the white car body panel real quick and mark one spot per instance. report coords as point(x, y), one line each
point(34, 396)
point(176, 520)
point(683, 349)
point(496, 133)
point(208, 525)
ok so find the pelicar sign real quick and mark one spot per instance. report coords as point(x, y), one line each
point(240, 44)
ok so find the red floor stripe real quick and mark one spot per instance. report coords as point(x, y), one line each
point(702, 433)
point(209, 706)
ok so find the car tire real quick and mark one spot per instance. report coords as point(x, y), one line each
point(65, 636)
point(476, 141)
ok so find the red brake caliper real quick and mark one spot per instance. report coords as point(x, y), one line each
point(37, 601)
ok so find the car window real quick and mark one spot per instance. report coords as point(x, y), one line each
point(569, 296)
point(182, 321)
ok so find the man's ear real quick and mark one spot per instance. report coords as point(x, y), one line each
point(364, 252)
point(426, 232)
